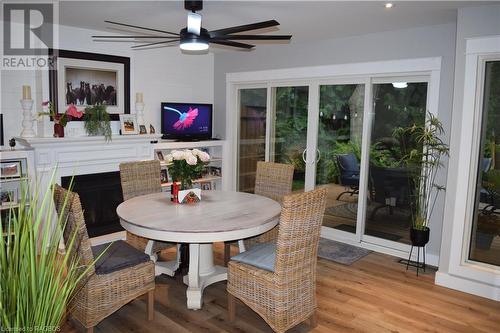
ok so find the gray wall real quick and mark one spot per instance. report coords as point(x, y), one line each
point(471, 22)
point(429, 41)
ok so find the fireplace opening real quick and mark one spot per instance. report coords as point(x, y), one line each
point(100, 194)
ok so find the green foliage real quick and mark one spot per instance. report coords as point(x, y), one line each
point(491, 180)
point(425, 163)
point(37, 281)
point(97, 121)
point(184, 173)
point(61, 117)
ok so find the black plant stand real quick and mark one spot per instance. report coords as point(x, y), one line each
point(417, 263)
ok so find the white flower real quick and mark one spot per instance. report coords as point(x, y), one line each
point(191, 160)
point(169, 158)
point(196, 152)
point(178, 155)
point(204, 157)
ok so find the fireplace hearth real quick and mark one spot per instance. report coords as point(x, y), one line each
point(100, 194)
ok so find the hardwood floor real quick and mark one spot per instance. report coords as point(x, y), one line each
point(375, 294)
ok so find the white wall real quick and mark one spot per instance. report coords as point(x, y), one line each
point(471, 22)
point(162, 74)
point(429, 41)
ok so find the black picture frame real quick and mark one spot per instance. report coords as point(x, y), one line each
point(55, 54)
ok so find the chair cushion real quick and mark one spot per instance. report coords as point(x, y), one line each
point(262, 256)
point(118, 256)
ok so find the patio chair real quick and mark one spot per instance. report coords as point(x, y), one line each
point(272, 180)
point(140, 178)
point(277, 280)
point(120, 275)
point(349, 173)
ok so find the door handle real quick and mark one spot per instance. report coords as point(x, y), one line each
point(318, 155)
point(304, 156)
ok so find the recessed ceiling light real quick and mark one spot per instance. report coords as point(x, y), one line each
point(388, 5)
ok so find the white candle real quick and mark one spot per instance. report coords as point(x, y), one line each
point(138, 97)
point(26, 92)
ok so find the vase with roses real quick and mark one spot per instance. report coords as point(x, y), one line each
point(60, 119)
point(186, 165)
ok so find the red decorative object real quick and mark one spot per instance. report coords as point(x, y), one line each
point(175, 193)
point(58, 128)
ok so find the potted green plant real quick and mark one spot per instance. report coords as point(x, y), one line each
point(424, 161)
point(38, 280)
point(97, 121)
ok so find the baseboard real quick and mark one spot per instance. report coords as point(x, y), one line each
point(467, 286)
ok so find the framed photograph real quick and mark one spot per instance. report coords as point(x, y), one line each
point(128, 124)
point(142, 129)
point(164, 176)
point(159, 153)
point(10, 169)
point(206, 186)
point(8, 197)
point(86, 79)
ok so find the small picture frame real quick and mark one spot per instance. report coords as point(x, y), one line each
point(206, 186)
point(142, 129)
point(8, 197)
point(10, 169)
point(159, 153)
point(128, 124)
point(151, 129)
point(164, 176)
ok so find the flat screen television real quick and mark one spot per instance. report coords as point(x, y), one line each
point(186, 121)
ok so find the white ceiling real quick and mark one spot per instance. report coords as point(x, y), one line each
point(305, 20)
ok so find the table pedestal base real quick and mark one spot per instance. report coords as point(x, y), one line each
point(202, 273)
point(163, 267)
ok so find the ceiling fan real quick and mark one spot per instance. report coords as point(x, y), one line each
point(195, 38)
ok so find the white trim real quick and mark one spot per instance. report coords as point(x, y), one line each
point(463, 274)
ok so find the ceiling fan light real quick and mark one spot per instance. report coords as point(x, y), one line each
point(194, 46)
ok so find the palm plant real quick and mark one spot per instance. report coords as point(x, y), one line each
point(37, 280)
point(425, 162)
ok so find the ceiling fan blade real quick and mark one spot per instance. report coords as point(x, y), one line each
point(145, 37)
point(233, 44)
point(246, 27)
point(254, 37)
point(144, 28)
point(157, 43)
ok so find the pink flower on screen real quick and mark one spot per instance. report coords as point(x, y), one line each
point(186, 119)
point(73, 111)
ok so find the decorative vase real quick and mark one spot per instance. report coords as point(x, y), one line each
point(58, 128)
point(419, 237)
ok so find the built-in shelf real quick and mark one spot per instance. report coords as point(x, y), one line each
point(199, 180)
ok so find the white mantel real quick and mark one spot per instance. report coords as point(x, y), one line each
point(86, 155)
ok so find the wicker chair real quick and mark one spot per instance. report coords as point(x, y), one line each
point(140, 178)
point(99, 295)
point(287, 296)
point(272, 180)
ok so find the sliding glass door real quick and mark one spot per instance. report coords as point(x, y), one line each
point(340, 135)
point(340, 128)
point(288, 137)
point(391, 190)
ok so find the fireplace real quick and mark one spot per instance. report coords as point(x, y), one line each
point(100, 194)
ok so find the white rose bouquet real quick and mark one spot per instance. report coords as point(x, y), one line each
point(186, 165)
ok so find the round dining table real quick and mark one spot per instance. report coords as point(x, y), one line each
point(219, 216)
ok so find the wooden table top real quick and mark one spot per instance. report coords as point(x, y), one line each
point(220, 216)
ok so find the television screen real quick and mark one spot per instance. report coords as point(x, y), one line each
point(186, 121)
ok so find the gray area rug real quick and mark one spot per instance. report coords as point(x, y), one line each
point(339, 252)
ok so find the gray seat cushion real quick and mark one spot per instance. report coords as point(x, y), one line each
point(262, 256)
point(118, 256)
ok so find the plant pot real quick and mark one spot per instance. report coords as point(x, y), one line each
point(58, 130)
point(419, 237)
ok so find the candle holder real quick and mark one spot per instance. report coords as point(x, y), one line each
point(28, 119)
point(139, 111)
